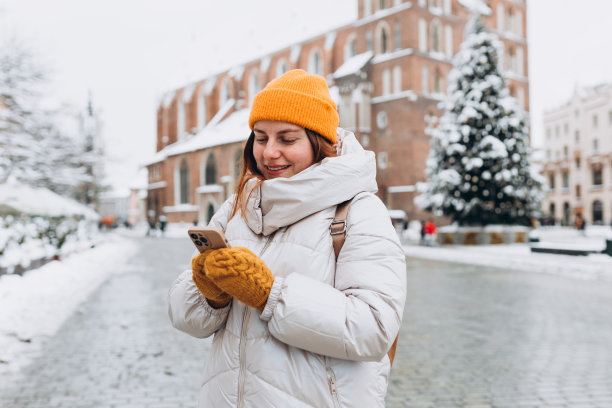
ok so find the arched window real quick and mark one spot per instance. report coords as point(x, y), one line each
point(368, 36)
point(448, 41)
point(253, 85)
point(510, 21)
point(397, 79)
point(551, 211)
point(315, 62)
point(237, 163)
point(382, 4)
point(183, 182)
point(435, 36)
point(224, 94)
point(281, 67)
point(350, 46)
point(210, 174)
point(382, 37)
point(210, 212)
point(597, 212)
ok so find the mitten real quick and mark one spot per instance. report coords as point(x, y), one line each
point(215, 296)
point(239, 272)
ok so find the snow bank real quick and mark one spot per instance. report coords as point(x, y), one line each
point(35, 305)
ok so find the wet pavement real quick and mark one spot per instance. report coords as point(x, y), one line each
point(471, 337)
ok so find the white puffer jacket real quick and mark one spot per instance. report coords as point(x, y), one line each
point(323, 336)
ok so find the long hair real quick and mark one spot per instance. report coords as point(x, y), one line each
point(321, 148)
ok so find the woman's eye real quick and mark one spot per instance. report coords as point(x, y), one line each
point(260, 141)
point(289, 141)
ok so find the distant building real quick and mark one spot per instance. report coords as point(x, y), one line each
point(577, 157)
point(387, 72)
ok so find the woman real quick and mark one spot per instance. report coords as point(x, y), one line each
point(292, 326)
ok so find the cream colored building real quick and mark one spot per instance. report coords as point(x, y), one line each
point(577, 157)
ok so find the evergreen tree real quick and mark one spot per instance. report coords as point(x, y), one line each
point(479, 170)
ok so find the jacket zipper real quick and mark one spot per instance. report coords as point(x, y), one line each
point(332, 385)
point(245, 320)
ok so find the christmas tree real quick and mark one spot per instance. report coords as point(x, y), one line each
point(479, 170)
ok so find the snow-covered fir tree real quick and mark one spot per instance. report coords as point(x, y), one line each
point(479, 170)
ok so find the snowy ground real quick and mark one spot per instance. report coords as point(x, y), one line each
point(34, 306)
point(520, 257)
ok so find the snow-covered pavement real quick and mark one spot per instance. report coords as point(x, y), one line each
point(520, 257)
point(35, 305)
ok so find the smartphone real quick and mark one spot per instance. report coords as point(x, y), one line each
point(208, 238)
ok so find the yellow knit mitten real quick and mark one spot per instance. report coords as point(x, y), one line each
point(239, 272)
point(215, 296)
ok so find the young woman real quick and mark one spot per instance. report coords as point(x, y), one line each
point(293, 326)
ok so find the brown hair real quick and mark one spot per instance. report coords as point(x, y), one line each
point(321, 147)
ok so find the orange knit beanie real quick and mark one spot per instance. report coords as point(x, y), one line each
point(298, 97)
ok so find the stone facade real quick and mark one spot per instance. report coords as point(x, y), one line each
point(387, 72)
point(577, 157)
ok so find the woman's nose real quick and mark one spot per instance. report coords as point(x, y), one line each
point(271, 150)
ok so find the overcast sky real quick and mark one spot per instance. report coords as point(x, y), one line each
point(129, 52)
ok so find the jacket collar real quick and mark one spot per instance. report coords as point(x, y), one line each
point(281, 202)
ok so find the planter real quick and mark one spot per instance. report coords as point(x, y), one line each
point(490, 235)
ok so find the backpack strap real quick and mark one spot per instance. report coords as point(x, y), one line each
point(337, 230)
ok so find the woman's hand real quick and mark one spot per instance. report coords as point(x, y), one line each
point(240, 273)
point(216, 297)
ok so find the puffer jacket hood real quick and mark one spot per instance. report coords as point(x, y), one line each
point(281, 202)
point(322, 338)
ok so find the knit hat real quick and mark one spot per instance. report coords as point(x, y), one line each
point(298, 97)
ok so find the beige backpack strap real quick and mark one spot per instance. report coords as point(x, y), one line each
point(338, 233)
point(338, 226)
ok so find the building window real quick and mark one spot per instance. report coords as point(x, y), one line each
point(382, 33)
point(509, 20)
point(597, 212)
point(500, 17)
point(210, 174)
point(315, 62)
point(435, 36)
point(518, 24)
point(519, 58)
point(398, 38)
point(595, 121)
point(567, 212)
point(368, 36)
point(367, 8)
point(253, 85)
point(565, 152)
point(577, 161)
point(448, 41)
point(210, 212)
point(548, 133)
point(350, 47)
point(551, 211)
point(180, 123)
point(551, 182)
point(578, 192)
point(184, 182)
point(386, 82)
point(577, 137)
point(281, 67)
point(597, 176)
point(595, 145)
point(557, 131)
point(382, 4)
point(397, 79)
point(565, 178)
point(437, 81)
point(610, 118)
point(202, 110)
point(237, 163)
point(521, 97)
point(422, 3)
point(424, 80)
point(224, 95)
point(447, 7)
point(422, 35)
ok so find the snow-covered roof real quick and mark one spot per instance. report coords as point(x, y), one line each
point(353, 65)
point(476, 6)
point(235, 128)
point(40, 201)
point(237, 72)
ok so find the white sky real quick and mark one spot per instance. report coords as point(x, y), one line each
point(129, 52)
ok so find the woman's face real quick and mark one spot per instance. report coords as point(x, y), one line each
point(281, 149)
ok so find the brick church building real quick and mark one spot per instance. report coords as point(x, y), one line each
point(387, 72)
